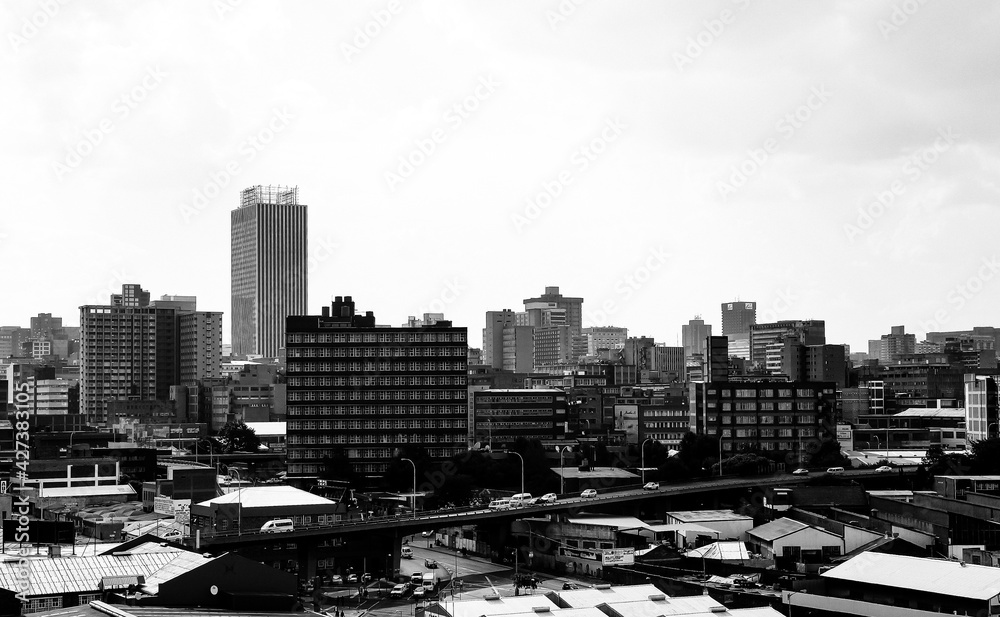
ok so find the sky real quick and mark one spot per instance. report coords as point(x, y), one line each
point(834, 160)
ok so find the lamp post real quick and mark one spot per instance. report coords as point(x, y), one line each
point(562, 478)
point(239, 501)
point(522, 466)
point(414, 485)
point(642, 459)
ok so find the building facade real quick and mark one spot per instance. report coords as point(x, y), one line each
point(573, 307)
point(367, 391)
point(503, 416)
point(737, 317)
point(269, 268)
point(767, 340)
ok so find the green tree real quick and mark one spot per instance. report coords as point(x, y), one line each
point(985, 458)
point(699, 452)
point(238, 437)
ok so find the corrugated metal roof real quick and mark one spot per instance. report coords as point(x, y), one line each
point(941, 576)
point(58, 575)
point(721, 550)
point(618, 522)
point(703, 516)
point(616, 593)
point(87, 491)
point(777, 529)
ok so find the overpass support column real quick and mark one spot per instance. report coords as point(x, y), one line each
point(307, 559)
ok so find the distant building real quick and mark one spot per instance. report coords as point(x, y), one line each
point(573, 307)
point(737, 318)
point(269, 268)
point(604, 338)
point(982, 401)
point(767, 341)
point(693, 335)
point(894, 344)
point(503, 416)
point(493, 336)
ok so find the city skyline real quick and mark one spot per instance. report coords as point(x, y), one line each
point(602, 148)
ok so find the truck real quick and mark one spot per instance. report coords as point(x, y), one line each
point(431, 582)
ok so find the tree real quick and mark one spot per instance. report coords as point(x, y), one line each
point(985, 458)
point(238, 437)
point(827, 455)
point(699, 452)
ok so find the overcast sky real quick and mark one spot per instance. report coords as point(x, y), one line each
point(655, 158)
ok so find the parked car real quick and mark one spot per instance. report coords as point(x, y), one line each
point(883, 469)
point(352, 578)
point(801, 471)
point(651, 486)
point(337, 579)
point(589, 494)
point(569, 586)
point(548, 498)
point(399, 591)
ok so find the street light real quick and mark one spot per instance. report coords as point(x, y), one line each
point(522, 467)
point(239, 501)
point(562, 478)
point(642, 459)
point(414, 485)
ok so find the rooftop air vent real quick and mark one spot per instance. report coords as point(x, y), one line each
point(603, 586)
point(657, 597)
point(491, 597)
point(540, 609)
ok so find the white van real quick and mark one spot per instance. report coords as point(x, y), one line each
point(406, 552)
point(520, 500)
point(835, 470)
point(500, 504)
point(278, 525)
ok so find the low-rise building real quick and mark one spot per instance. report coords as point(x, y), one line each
point(795, 542)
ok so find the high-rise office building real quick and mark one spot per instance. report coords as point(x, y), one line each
point(896, 343)
point(493, 336)
point(737, 317)
point(128, 350)
point(269, 268)
point(134, 349)
point(552, 299)
point(767, 341)
point(693, 336)
point(362, 391)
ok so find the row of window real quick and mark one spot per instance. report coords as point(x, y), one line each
point(372, 381)
point(376, 337)
point(381, 424)
point(765, 393)
point(373, 352)
point(767, 419)
point(341, 438)
point(371, 367)
point(354, 410)
point(376, 395)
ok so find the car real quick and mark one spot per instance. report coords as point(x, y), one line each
point(651, 486)
point(835, 470)
point(548, 498)
point(352, 578)
point(336, 579)
point(589, 494)
point(883, 469)
point(800, 472)
point(399, 590)
point(570, 586)
point(419, 592)
point(430, 563)
point(366, 577)
point(406, 552)
point(426, 534)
